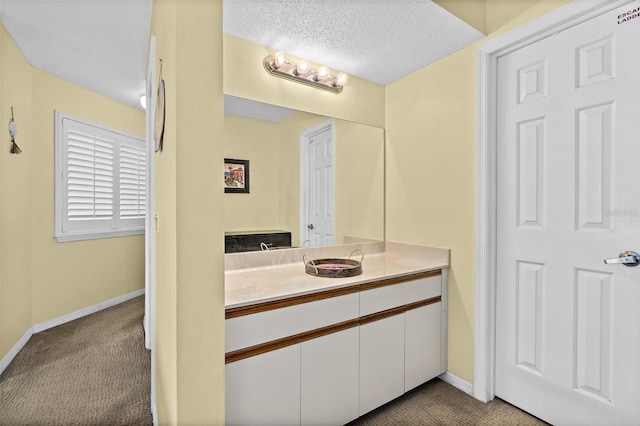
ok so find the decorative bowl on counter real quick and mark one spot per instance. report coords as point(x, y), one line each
point(334, 267)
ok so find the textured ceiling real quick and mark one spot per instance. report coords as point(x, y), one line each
point(97, 44)
point(102, 44)
point(378, 40)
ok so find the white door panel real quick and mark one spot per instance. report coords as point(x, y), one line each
point(568, 326)
point(317, 186)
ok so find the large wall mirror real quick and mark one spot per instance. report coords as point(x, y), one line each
point(273, 140)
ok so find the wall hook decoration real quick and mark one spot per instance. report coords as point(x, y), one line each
point(158, 134)
point(13, 131)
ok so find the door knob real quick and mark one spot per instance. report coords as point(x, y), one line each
point(627, 258)
point(310, 226)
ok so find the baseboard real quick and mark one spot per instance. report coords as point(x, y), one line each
point(85, 311)
point(457, 382)
point(6, 360)
point(154, 413)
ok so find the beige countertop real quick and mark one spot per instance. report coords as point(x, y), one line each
point(263, 276)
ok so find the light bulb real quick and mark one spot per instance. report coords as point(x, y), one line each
point(303, 67)
point(323, 72)
point(143, 101)
point(341, 79)
point(280, 59)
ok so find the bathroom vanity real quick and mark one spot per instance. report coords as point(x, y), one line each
point(302, 349)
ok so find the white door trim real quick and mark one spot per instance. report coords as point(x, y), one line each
point(304, 170)
point(488, 53)
point(150, 229)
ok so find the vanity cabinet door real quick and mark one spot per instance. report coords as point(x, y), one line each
point(330, 379)
point(381, 362)
point(264, 389)
point(422, 345)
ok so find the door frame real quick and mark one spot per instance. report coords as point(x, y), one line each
point(304, 171)
point(150, 220)
point(488, 53)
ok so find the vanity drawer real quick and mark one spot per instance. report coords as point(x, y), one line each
point(249, 330)
point(394, 295)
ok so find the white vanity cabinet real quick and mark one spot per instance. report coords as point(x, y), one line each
point(399, 340)
point(330, 379)
point(334, 355)
point(423, 345)
point(264, 389)
point(381, 362)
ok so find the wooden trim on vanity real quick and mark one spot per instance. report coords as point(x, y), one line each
point(325, 294)
point(421, 303)
point(398, 310)
point(397, 280)
point(288, 341)
point(382, 315)
point(323, 331)
point(259, 349)
point(290, 301)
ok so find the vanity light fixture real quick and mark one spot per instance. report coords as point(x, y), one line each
point(278, 65)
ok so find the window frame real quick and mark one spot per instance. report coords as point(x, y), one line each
point(116, 226)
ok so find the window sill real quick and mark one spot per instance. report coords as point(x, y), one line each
point(67, 237)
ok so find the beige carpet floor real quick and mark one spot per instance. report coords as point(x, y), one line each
point(438, 403)
point(96, 371)
point(91, 371)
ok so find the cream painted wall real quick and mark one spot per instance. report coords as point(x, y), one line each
point(259, 142)
point(73, 275)
point(431, 158)
point(473, 12)
point(163, 26)
point(359, 181)
point(15, 195)
point(41, 278)
point(189, 351)
point(244, 76)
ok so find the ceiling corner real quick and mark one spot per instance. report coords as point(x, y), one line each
point(473, 12)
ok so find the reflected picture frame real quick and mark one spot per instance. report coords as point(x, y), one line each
point(236, 176)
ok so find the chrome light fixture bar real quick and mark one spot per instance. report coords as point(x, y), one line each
point(278, 65)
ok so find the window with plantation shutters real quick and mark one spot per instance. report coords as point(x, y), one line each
point(100, 181)
point(132, 181)
point(88, 176)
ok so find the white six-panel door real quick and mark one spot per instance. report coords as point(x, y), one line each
point(568, 326)
point(317, 185)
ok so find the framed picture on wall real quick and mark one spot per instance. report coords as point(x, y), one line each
point(236, 176)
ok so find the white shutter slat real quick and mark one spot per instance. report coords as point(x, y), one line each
point(89, 176)
point(132, 183)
